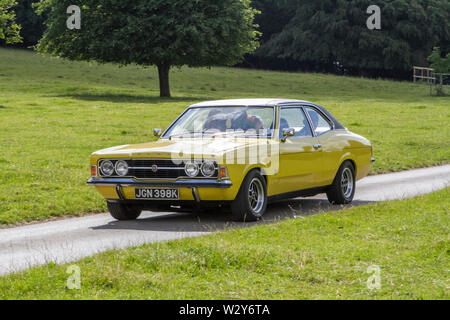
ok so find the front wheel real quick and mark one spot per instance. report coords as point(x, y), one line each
point(343, 188)
point(251, 201)
point(120, 211)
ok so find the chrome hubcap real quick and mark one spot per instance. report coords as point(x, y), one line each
point(347, 183)
point(256, 195)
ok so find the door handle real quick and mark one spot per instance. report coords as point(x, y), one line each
point(317, 146)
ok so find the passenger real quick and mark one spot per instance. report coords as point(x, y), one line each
point(257, 122)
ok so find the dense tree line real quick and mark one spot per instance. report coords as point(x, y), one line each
point(32, 24)
point(332, 35)
point(329, 35)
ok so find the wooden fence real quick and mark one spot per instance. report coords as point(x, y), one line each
point(424, 74)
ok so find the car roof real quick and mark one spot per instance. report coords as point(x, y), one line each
point(265, 102)
point(247, 102)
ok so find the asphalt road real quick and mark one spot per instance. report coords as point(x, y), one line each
point(71, 239)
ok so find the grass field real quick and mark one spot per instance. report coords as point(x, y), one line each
point(54, 113)
point(325, 256)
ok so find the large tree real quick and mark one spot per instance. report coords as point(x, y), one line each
point(9, 30)
point(165, 33)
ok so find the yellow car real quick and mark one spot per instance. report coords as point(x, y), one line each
point(236, 153)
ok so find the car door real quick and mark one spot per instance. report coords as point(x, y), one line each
point(300, 160)
point(331, 144)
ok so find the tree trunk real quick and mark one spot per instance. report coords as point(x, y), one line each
point(164, 85)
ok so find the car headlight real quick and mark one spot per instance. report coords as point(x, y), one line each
point(208, 168)
point(121, 168)
point(107, 168)
point(191, 169)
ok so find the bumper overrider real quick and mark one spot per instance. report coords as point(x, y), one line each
point(193, 184)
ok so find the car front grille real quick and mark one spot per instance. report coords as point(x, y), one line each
point(165, 169)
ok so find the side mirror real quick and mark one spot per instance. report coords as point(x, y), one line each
point(288, 132)
point(157, 132)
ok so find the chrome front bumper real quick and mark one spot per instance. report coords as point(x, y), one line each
point(194, 183)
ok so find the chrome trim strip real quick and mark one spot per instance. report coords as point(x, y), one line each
point(176, 184)
point(159, 168)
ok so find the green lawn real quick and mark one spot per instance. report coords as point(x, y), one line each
point(54, 113)
point(325, 256)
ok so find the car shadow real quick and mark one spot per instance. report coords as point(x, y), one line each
point(220, 219)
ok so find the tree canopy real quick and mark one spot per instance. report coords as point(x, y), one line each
point(164, 33)
point(9, 30)
point(319, 34)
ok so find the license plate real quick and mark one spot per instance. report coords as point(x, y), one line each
point(156, 194)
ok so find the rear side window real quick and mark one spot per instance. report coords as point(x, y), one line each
point(295, 118)
point(319, 123)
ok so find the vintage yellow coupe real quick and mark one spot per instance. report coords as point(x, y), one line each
point(236, 153)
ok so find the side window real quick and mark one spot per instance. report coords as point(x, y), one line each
point(295, 118)
point(319, 123)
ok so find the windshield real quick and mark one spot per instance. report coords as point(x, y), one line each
point(224, 121)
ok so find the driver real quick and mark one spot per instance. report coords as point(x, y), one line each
point(216, 121)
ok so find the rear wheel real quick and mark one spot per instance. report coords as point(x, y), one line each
point(343, 188)
point(251, 202)
point(120, 211)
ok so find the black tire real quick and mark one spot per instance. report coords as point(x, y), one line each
point(338, 193)
point(241, 207)
point(122, 212)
